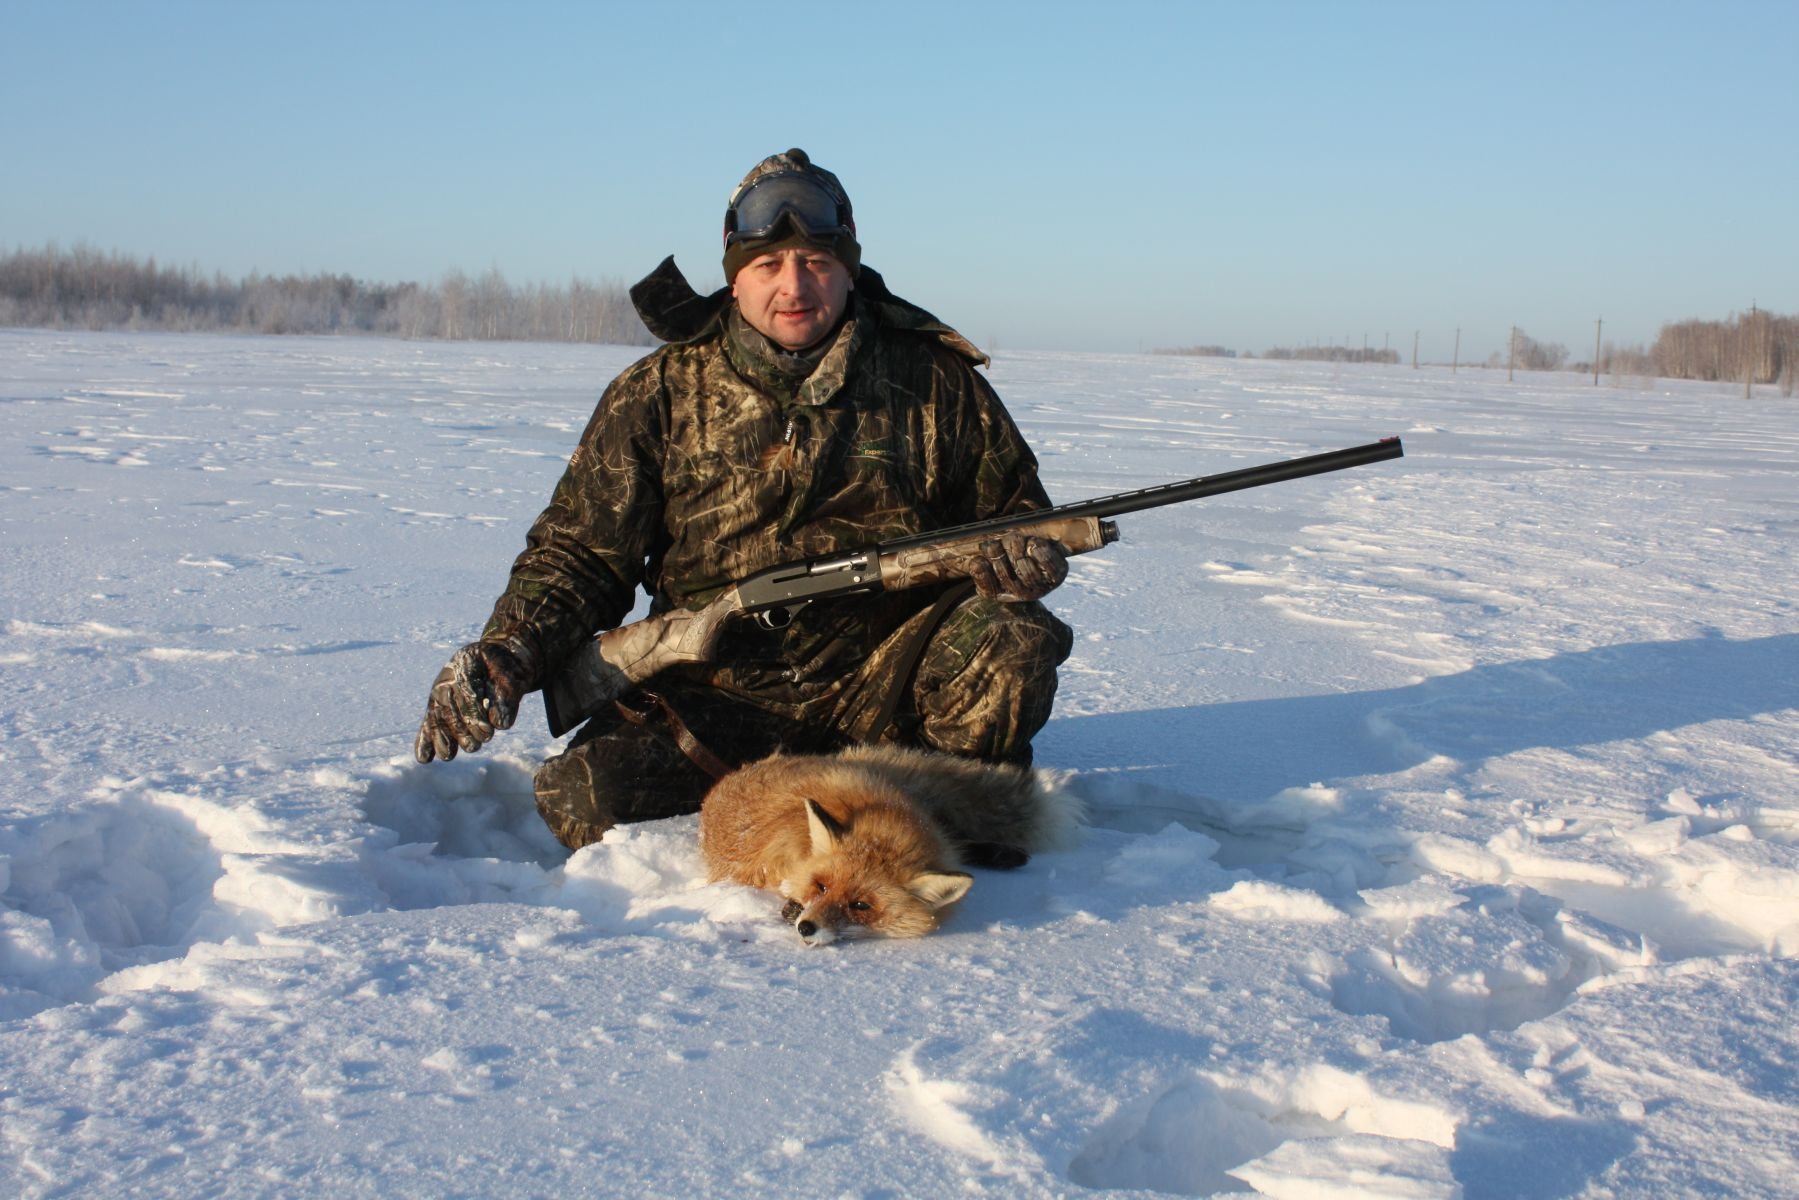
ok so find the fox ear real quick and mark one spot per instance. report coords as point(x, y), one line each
point(938, 888)
point(826, 829)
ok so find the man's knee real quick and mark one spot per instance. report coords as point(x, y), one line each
point(987, 681)
point(997, 640)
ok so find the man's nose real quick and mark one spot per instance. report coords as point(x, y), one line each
point(791, 276)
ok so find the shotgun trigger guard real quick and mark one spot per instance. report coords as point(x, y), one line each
point(779, 617)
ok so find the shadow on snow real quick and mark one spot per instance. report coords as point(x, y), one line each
point(1248, 750)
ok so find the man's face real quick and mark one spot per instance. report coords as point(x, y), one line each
point(793, 297)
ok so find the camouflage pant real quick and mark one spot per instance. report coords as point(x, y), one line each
point(978, 681)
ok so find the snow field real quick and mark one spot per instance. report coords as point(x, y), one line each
point(1442, 812)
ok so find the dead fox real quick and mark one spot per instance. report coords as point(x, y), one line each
point(871, 840)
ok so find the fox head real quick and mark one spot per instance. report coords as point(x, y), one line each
point(879, 874)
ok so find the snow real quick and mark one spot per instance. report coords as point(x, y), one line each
point(1444, 814)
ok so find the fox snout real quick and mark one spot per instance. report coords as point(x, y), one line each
point(814, 928)
point(810, 931)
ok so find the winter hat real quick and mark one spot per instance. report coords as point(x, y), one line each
point(786, 201)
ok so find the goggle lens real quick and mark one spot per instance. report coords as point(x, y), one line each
point(759, 211)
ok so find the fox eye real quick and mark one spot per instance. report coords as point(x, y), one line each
point(822, 886)
point(861, 906)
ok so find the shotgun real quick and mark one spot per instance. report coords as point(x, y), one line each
point(620, 659)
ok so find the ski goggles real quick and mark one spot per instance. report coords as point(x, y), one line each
point(757, 212)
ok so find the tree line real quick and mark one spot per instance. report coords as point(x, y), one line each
point(1335, 354)
point(1526, 353)
point(84, 288)
point(1755, 347)
point(1199, 351)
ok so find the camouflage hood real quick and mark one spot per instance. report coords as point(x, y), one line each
point(674, 312)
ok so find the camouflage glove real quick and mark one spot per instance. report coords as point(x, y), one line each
point(1013, 567)
point(476, 693)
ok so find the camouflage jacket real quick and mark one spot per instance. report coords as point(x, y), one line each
point(707, 460)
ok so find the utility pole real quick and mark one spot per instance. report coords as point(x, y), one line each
point(1455, 360)
point(1748, 351)
point(1414, 349)
point(1598, 328)
point(1511, 354)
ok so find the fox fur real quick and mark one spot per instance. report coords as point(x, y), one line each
point(872, 840)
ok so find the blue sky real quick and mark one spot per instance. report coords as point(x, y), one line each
point(1105, 176)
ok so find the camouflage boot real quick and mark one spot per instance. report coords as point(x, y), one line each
point(616, 771)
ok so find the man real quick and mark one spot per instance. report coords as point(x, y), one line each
point(801, 410)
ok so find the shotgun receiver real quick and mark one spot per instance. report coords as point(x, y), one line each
point(621, 659)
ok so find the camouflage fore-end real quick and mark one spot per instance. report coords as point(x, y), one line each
point(938, 562)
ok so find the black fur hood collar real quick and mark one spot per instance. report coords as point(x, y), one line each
point(674, 312)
